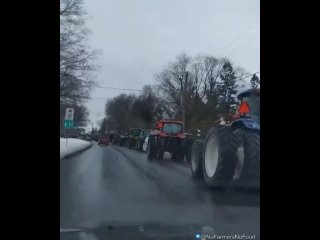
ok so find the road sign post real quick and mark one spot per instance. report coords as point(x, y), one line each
point(69, 114)
point(68, 124)
point(68, 121)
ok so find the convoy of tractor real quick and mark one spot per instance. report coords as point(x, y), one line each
point(228, 154)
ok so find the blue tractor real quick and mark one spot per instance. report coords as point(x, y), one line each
point(230, 152)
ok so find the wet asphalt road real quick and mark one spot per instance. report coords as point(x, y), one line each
point(107, 184)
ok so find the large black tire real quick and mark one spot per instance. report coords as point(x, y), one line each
point(151, 148)
point(137, 145)
point(179, 151)
point(160, 149)
point(196, 159)
point(188, 150)
point(218, 166)
point(140, 144)
point(129, 143)
point(249, 176)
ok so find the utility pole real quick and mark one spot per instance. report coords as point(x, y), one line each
point(184, 95)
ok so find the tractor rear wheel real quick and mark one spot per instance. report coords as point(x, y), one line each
point(137, 145)
point(160, 149)
point(196, 159)
point(219, 156)
point(179, 151)
point(140, 144)
point(151, 148)
point(247, 170)
point(188, 150)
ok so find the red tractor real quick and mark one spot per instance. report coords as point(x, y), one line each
point(168, 136)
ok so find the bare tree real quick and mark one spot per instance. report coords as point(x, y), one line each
point(127, 111)
point(204, 73)
point(199, 82)
point(76, 65)
point(175, 85)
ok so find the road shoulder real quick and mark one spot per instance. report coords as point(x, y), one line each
point(71, 147)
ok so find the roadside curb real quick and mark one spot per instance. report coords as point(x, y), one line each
point(76, 152)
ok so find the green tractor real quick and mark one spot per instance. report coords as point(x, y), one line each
point(144, 133)
point(137, 137)
point(230, 152)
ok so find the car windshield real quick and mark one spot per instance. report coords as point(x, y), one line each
point(172, 128)
point(165, 77)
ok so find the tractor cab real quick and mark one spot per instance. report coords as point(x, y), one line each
point(170, 127)
point(247, 114)
point(134, 134)
point(250, 104)
point(168, 136)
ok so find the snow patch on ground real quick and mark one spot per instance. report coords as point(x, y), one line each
point(73, 145)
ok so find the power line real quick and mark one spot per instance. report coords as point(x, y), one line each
point(98, 98)
point(239, 37)
point(249, 76)
point(113, 88)
point(105, 98)
point(252, 36)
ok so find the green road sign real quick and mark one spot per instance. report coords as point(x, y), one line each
point(68, 124)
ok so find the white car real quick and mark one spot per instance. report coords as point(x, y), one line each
point(145, 144)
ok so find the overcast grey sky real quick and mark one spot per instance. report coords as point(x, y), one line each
point(139, 37)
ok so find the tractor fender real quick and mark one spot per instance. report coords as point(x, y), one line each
point(181, 136)
point(246, 123)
